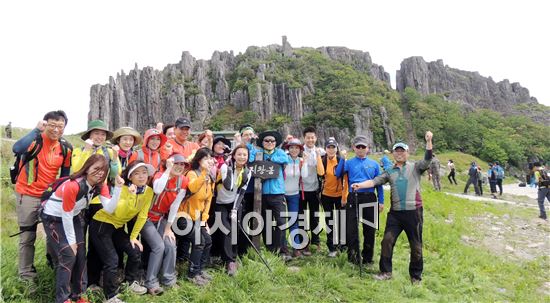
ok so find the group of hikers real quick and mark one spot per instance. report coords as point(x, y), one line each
point(476, 177)
point(160, 199)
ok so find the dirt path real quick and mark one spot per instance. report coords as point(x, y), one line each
point(510, 236)
point(513, 195)
point(514, 189)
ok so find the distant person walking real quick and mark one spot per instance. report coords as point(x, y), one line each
point(492, 176)
point(8, 130)
point(500, 176)
point(451, 176)
point(541, 175)
point(434, 173)
point(385, 161)
point(473, 179)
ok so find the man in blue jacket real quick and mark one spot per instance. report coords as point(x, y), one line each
point(273, 189)
point(360, 169)
point(472, 179)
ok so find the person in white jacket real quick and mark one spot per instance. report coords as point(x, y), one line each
point(294, 189)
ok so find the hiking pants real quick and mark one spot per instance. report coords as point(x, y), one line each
point(162, 257)
point(27, 218)
point(544, 193)
point(70, 269)
point(107, 240)
point(499, 184)
point(411, 222)
point(352, 228)
point(311, 202)
point(436, 180)
point(228, 250)
point(474, 182)
point(277, 205)
point(452, 176)
point(332, 206)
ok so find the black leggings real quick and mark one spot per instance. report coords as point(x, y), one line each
point(452, 176)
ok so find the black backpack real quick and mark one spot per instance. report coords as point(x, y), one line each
point(24, 158)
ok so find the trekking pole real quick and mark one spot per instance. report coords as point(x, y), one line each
point(253, 246)
point(358, 225)
point(25, 229)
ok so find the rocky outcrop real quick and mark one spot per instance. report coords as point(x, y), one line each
point(201, 88)
point(359, 60)
point(468, 88)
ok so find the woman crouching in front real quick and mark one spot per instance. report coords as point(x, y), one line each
point(107, 228)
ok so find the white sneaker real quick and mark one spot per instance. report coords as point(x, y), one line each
point(114, 299)
point(137, 289)
point(332, 254)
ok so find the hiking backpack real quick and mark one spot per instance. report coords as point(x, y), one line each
point(26, 157)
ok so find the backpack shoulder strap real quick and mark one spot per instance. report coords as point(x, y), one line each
point(141, 155)
point(106, 153)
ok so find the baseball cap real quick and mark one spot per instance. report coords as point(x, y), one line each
point(360, 140)
point(400, 145)
point(183, 122)
point(331, 142)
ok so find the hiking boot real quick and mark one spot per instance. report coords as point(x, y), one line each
point(205, 275)
point(382, 276)
point(332, 254)
point(198, 280)
point(120, 276)
point(231, 269)
point(155, 291)
point(416, 281)
point(286, 257)
point(296, 254)
point(543, 217)
point(31, 285)
point(114, 299)
point(137, 289)
point(306, 252)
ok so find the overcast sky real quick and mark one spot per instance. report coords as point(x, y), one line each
point(53, 51)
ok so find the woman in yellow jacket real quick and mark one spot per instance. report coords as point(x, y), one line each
point(94, 144)
point(193, 215)
point(107, 228)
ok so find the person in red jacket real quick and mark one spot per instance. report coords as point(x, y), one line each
point(64, 229)
point(154, 144)
point(181, 144)
point(34, 177)
point(169, 187)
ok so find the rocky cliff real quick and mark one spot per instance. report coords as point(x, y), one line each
point(249, 82)
point(469, 88)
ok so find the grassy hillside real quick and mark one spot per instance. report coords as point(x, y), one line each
point(455, 270)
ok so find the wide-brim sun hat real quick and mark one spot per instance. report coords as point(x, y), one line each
point(150, 169)
point(293, 142)
point(126, 131)
point(223, 139)
point(273, 133)
point(96, 124)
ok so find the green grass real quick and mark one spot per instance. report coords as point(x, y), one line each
point(453, 271)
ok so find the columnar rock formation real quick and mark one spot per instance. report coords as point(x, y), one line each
point(200, 88)
point(468, 88)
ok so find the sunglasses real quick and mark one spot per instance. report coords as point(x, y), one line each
point(360, 146)
point(269, 141)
